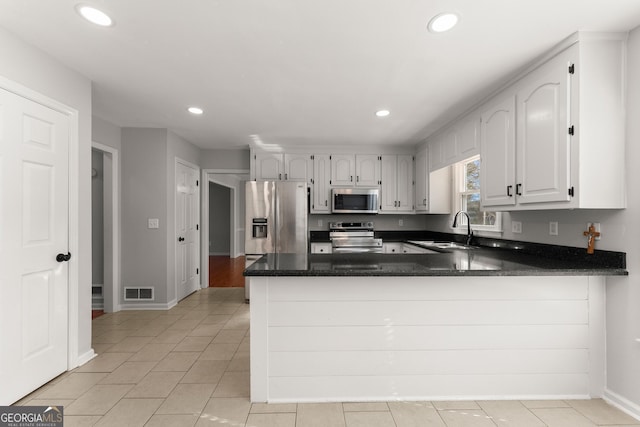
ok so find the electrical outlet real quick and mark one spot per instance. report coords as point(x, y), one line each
point(400, 222)
point(516, 227)
point(553, 228)
point(154, 223)
point(596, 225)
point(319, 223)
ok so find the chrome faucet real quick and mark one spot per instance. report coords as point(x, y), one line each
point(469, 232)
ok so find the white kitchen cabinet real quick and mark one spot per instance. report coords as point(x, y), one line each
point(343, 169)
point(408, 248)
point(367, 170)
point(321, 248)
point(497, 154)
point(320, 188)
point(422, 181)
point(359, 170)
point(459, 142)
point(268, 166)
point(282, 167)
point(568, 151)
point(468, 138)
point(397, 190)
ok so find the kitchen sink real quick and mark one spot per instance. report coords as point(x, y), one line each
point(442, 245)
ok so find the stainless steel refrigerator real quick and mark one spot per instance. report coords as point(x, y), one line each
point(276, 219)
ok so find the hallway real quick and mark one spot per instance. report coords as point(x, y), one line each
point(226, 272)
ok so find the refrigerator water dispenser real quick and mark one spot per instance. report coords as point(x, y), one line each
point(260, 228)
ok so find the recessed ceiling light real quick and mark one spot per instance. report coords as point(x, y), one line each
point(195, 110)
point(94, 15)
point(443, 22)
point(382, 113)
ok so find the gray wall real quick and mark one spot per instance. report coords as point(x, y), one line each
point(144, 196)
point(225, 159)
point(219, 219)
point(97, 218)
point(34, 69)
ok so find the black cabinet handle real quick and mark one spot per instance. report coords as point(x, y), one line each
point(518, 192)
point(180, 239)
point(63, 257)
point(509, 187)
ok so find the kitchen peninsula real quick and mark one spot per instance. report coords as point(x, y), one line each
point(482, 323)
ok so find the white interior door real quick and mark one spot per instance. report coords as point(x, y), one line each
point(187, 230)
point(34, 229)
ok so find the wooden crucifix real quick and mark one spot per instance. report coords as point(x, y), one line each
point(591, 235)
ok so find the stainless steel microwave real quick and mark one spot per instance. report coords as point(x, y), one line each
point(355, 200)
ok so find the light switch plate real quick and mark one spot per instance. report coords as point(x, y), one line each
point(154, 223)
point(553, 228)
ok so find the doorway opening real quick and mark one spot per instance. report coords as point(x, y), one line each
point(223, 227)
point(105, 224)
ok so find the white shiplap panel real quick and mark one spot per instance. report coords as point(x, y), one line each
point(361, 338)
point(452, 362)
point(429, 288)
point(427, 387)
point(354, 313)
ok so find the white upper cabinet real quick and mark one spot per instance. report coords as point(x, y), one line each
point(397, 190)
point(543, 135)
point(422, 181)
point(343, 169)
point(320, 188)
point(268, 166)
point(298, 167)
point(360, 170)
point(459, 142)
point(497, 167)
point(367, 170)
point(468, 138)
point(555, 138)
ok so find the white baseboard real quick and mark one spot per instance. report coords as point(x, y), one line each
point(219, 253)
point(150, 306)
point(622, 403)
point(84, 358)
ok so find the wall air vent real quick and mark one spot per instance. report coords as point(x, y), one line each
point(138, 294)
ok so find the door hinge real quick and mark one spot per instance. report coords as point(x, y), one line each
point(313, 157)
point(571, 130)
point(571, 192)
point(312, 180)
point(197, 183)
point(197, 271)
point(329, 182)
point(329, 157)
point(572, 69)
point(197, 226)
point(379, 157)
point(254, 157)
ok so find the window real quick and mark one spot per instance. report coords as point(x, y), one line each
point(467, 197)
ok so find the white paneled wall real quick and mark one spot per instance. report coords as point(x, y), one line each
point(377, 338)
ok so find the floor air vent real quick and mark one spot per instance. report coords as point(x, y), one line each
point(137, 294)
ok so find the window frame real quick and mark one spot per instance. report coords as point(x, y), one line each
point(459, 192)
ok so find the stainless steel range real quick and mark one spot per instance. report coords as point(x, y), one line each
point(354, 237)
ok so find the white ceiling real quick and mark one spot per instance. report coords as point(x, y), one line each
point(294, 72)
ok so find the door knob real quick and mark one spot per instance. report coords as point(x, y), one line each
point(180, 239)
point(63, 257)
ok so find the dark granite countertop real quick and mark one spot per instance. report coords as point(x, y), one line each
point(489, 257)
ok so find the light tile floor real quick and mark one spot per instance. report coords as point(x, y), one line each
point(189, 366)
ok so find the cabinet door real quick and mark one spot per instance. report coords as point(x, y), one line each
point(542, 143)
point(450, 148)
point(320, 188)
point(320, 248)
point(342, 169)
point(367, 170)
point(298, 167)
point(436, 155)
point(269, 166)
point(422, 181)
point(389, 178)
point(497, 154)
point(467, 138)
point(404, 191)
point(392, 248)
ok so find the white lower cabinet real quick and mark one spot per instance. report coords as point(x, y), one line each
point(392, 248)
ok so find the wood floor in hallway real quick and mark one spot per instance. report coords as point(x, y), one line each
point(225, 272)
